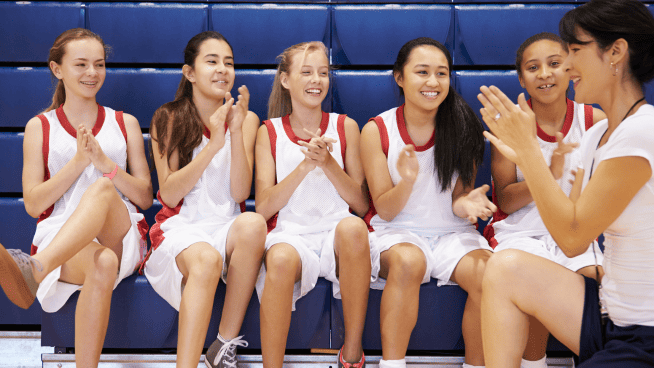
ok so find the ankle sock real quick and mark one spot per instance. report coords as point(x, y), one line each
point(399, 363)
point(466, 365)
point(541, 363)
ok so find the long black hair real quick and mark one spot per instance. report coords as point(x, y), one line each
point(609, 20)
point(186, 126)
point(459, 142)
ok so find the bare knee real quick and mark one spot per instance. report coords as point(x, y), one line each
point(407, 264)
point(105, 270)
point(249, 230)
point(352, 238)
point(102, 188)
point(282, 263)
point(207, 267)
point(502, 267)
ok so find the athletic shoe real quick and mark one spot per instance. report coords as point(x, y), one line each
point(222, 353)
point(16, 276)
point(343, 364)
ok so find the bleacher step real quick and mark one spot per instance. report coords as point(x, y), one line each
point(254, 361)
point(20, 349)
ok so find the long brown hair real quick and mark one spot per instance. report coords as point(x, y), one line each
point(180, 117)
point(57, 52)
point(279, 103)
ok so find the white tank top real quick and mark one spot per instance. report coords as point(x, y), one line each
point(428, 210)
point(315, 205)
point(628, 286)
point(527, 221)
point(209, 201)
point(60, 146)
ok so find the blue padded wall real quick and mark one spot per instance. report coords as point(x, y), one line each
point(147, 32)
point(30, 93)
point(480, 41)
point(258, 33)
point(364, 94)
point(11, 166)
point(468, 83)
point(28, 29)
point(259, 84)
point(373, 34)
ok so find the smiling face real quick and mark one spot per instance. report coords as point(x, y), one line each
point(425, 78)
point(212, 74)
point(308, 78)
point(82, 69)
point(542, 72)
point(589, 68)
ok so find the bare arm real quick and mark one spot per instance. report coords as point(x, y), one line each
point(38, 194)
point(243, 127)
point(389, 199)
point(271, 197)
point(511, 194)
point(470, 203)
point(175, 183)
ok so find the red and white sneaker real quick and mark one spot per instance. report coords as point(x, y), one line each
point(343, 364)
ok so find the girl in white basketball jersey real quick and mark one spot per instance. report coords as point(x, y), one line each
point(420, 161)
point(561, 123)
point(89, 235)
point(203, 148)
point(308, 177)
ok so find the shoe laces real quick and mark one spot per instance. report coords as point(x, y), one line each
point(23, 259)
point(229, 350)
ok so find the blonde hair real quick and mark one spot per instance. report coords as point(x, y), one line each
point(279, 102)
point(57, 52)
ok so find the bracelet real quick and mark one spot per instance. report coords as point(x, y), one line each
point(111, 174)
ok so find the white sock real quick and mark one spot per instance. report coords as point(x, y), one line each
point(399, 363)
point(541, 363)
point(466, 365)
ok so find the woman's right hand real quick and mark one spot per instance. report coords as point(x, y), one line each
point(407, 164)
point(557, 162)
point(216, 124)
point(82, 155)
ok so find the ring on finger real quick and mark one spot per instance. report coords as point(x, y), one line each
point(498, 116)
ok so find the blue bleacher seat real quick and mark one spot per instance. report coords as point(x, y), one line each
point(469, 81)
point(373, 34)
point(491, 34)
point(28, 29)
point(11, 166)
point(439, 320)
point(28, 92)
point(364, 94)
point(259, 83)
point(649, 92)
point(16, 232)
point(260, 32)
point(147, 32)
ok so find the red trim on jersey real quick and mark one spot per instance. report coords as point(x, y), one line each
point(404, 133)
point(242, 205)
point(499, 215)
point(45, 148)
point(121, 124)
point(383, 133)
point(567, 124)
point(272, 134)
point(69, 128)
point(207, 132)
point(286, 122)
point(340, 128)
point(588, 116)
point(156, 235)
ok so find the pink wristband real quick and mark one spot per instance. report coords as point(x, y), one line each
point(111, 174)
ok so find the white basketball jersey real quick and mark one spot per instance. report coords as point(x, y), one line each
point(60, 146)
point(428, 210)
point(210, 200)
point(315, 206)
point(527, 221)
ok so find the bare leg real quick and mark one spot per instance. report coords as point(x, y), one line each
point(201, 266)
point(469, 273)
point(403, 266)
point(283, 269)
point(352, 251)
point(100, 214)
point(518, 284)
point(244, 251)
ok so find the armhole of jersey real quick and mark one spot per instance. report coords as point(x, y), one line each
point(45, 127)
point(340, 127)
point(588, 116)
point(273, 138)
point(383, 134)
point(121, 124)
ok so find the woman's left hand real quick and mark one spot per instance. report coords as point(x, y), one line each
point(318, 148)
point(239, 110)
point(477, 205)
point(513, 127)
point(95, 153)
